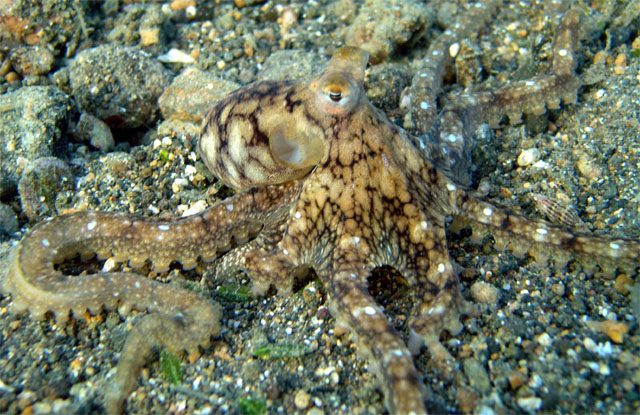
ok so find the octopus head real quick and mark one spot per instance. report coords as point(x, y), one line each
point(252, 138)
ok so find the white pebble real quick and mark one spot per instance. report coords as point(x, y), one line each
point(529, 403)
point(589, 344)
point(528, 157)
point(544, 339)
point(176, 56)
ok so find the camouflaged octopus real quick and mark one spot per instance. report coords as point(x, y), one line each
point(325, 181)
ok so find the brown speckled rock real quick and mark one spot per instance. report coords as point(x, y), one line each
point(120, 85)
point(192, 94)
point(33, 122)
point(44, 183)
point(383, 25)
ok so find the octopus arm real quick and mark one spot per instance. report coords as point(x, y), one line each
point(545, 241)
point(427, 83)
point(181, 319)
point(388, 356)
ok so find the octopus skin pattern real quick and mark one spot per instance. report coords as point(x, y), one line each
point(325, 182)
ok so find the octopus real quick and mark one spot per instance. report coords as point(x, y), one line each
point(325, 182)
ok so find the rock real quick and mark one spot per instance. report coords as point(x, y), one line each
point(528, 157)
point(516, 379)
point(96, 132)
point(544, 340)
point(529, 403)
point(302, 399)
point(588, 167)
point(477, 375)
point(33, 121)
point(192, 94)
point(292, 64)
point(26, 398)
point(31, 60)
point(8, 220)
point(383, 25)
point(485, 293)
point(118, 163)
point(614, 330)
point(44, 184)
point(119, 85)
point(384, 85)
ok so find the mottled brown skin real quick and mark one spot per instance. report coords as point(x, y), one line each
point(330, 184)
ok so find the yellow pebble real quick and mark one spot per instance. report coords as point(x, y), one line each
point(12, 77)
point(615, 330)
point(149, 36)
point(623, 283)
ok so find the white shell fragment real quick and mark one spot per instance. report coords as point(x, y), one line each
point(176, 56)
point(528, 157)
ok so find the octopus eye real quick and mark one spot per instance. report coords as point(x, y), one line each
point(335, 96)
point(339, 94)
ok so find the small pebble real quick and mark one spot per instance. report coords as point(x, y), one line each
point(477, 375)
point(614, 330)
point(558, 289)
point(12, 77)
point(516, 379)
point(95, 131)
point(31, 60)
point(620, 63)
point(8, 220)
point(485, 293)
point(149, 36)
point(587, 167)
point(302, 399)
point(26, 398)
point(176, 56)
point(528, 157)
point(42, 183)
point(589, 344)
point(529, 403)
point(545, 340)
point(623, 283)
point(535, 381)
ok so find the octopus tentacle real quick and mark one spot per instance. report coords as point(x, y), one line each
point(545, 241)
point(389, 357)
point(427, 84)
point(446, 135)
point(181, 320)
point(437, 300)
point(193, 327)
point(530, 96)
point(263, 263)
point(35, 284)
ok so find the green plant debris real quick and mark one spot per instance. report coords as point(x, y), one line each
point(163, 155)
point(236, 293)
point(170, 366)
point(193, 286)
point(280, 351)
point(635, 53)
point(251, 406)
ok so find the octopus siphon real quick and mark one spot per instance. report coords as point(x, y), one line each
point(325, 182)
